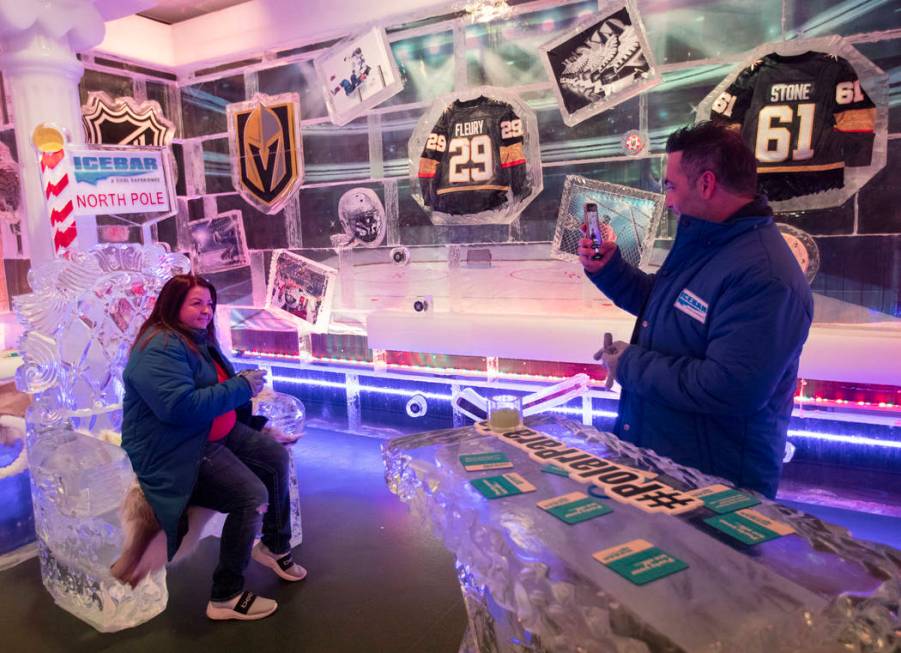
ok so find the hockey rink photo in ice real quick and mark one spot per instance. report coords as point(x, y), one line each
point(627, 216)
point(301, 288)
point(218, 244)
point(599, 63)
point(358, 73)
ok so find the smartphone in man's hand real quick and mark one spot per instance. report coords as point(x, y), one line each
point(594, 229)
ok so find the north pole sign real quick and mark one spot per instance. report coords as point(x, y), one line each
point(88, 180)
point(121, 180)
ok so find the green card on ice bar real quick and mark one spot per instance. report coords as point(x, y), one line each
point(749, 526)
point(556, 471)
point(722, 499)
point(639, 561)
point(505, 485)
point(574, 507)
point(479, 462)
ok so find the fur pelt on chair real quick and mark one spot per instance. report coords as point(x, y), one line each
point(144, 546)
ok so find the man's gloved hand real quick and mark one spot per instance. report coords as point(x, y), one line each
point(609, 355)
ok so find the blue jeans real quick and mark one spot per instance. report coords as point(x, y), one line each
point(238, 475)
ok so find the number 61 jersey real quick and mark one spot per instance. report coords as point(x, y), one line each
point(805, 117)
point(473, 158)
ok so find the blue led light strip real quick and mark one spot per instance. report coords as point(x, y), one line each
point(792, 433)
point(363, 388)
point(578, 411)
point(847, 439)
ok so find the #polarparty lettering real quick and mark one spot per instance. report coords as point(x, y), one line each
point(622, 483)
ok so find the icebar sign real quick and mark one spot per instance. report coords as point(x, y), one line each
point(121, 180)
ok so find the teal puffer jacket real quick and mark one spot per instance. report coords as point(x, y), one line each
point(172, 395)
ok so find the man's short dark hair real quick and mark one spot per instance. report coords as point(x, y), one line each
point(716, 147)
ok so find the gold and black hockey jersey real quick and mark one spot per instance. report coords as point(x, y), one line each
point(473, 159)
point(805, 117)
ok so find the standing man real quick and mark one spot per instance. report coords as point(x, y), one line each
point(709, 377)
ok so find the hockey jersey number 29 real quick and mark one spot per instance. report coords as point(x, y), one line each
point(473, 158)
point(805, 117)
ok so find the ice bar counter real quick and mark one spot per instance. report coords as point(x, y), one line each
point(664, 570)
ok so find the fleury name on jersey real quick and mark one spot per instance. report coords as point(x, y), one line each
point(472, 128)
point(473, 159)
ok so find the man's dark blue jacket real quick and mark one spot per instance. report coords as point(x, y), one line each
point(709, 378)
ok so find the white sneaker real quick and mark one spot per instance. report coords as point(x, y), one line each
point(244, 607)
point(283, 565)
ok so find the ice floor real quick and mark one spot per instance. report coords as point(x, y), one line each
point(376, 583)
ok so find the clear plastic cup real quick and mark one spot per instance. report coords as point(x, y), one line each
point(504, 412)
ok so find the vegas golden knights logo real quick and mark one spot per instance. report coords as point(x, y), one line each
point(124, 121)
point(265, 145)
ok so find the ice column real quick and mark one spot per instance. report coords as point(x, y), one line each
point(39, 42)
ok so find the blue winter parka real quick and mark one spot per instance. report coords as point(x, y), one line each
point(172, 396)
point(710, 375)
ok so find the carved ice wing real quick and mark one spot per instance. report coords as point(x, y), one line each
point(42, 313)
point(40, 370)
point(80, 274)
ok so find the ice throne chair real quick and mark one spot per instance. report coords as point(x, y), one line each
point(79, 323)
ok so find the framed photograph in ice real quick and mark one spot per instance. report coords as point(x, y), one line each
point(475, 158)
point(815, 114)
point(627, 216)
point(362, 217)
point(301, 289)
point(357, 74)
point(218, 244)
point(266, 150)
point(602, 61)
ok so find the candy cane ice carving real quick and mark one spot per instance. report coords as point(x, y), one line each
point(58, 183)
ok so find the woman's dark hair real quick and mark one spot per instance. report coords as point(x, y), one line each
point(716, 147)
point(164, 316)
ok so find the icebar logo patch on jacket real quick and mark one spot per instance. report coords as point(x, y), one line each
point(692, 305)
